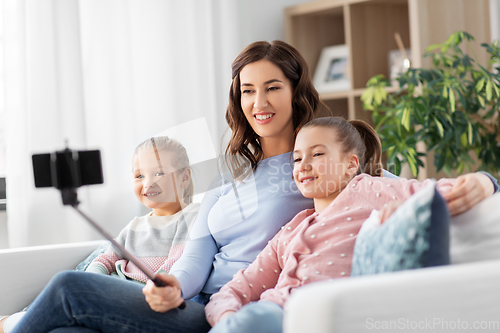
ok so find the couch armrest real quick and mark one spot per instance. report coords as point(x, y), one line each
point(414, 300)
point(25, 271)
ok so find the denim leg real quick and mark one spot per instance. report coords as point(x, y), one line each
point(74, 330)
point(104, 304)
point(261, 317)
point(201, 298)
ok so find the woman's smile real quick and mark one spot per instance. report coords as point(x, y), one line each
point(263, 118)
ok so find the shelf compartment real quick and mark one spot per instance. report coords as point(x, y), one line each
point(337, 108)
point(372, 28)
point(311, 32)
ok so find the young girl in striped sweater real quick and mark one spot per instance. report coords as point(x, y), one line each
point(162, 182)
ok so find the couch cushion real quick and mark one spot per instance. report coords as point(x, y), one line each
point(475, 234)
point(415, 235)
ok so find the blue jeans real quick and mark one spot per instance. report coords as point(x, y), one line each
point(78, 302)
point(261, 317)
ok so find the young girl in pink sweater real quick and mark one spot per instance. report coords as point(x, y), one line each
point(337, 163)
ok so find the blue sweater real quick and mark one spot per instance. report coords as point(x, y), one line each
point(235, 222)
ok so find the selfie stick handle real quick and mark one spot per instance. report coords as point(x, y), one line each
point(150, 274)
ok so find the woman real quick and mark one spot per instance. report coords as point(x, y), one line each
point(271, 97)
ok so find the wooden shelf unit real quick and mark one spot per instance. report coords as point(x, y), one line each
point(367, 27)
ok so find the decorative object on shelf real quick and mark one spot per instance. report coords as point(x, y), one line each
point(331, 70)
point(451, 107)
point(399, 60)
point(398, 63)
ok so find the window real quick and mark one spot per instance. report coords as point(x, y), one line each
point(2, 119)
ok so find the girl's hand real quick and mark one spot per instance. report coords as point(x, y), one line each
point(163, 299)
point(468, 190)
point(225, 315)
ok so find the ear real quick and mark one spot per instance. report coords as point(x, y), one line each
point(185, 177)
point(352, 165)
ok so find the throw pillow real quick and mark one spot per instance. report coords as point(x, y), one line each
point(415, 235)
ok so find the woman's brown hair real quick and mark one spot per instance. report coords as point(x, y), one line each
point(244, 141)
point(355, 136)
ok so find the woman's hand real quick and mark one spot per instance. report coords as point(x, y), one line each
point(388, 209)
point(163, 299)
point(468, 190)
point(1, 324)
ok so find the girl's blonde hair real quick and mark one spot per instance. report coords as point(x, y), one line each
point(181, 162)
point(355, 136)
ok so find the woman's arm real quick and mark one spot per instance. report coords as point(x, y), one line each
point(189, 274)
point(469, 190)
point(195, 264)
point(247, 285)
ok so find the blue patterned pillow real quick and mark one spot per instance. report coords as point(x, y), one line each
point(415, 235)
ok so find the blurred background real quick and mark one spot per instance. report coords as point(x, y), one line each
point(107, 74)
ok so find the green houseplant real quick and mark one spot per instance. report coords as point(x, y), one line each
point(452, 107)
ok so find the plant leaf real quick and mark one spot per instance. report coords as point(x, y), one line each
point(367, 96)
point(440, 127)
point(440, 160)
point(406, 118)
point(489, 91)
point(460, 168)
point(463, 139)
point(433, 47)
point(413, 166)
point(480, 85)
point(481, 100)
point(470, 133)
point(496, 89)
point(452, 100)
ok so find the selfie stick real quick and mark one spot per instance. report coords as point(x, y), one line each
point(70, 198)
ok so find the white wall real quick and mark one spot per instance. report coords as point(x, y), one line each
point(495, 19)
point(263, 19)
point(4, 242)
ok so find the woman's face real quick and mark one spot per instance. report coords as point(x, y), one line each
point(266, 99)
point(156, 184)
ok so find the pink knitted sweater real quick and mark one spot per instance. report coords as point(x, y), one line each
point(312, 247)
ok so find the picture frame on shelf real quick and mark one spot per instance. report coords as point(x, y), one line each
point(331, 74)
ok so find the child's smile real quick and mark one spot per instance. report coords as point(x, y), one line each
point(307, 180)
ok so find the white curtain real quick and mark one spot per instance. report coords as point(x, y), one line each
point(104, 74)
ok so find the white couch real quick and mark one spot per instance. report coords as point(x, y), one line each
point(466, 293)
point(25, 271)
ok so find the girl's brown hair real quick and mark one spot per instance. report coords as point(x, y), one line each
point(244, 141)
point(355, 136)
